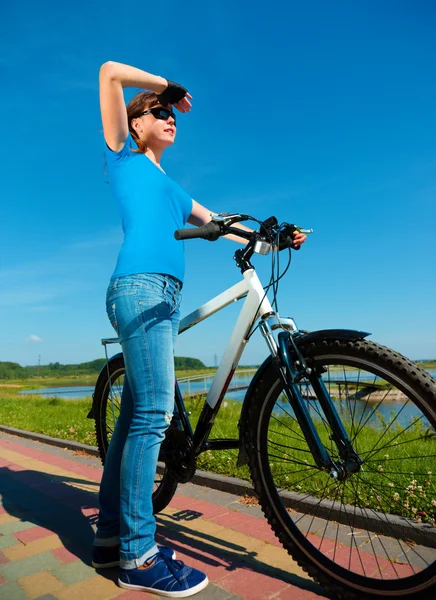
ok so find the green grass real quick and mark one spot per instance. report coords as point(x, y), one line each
point(65, 419)
point(396, 480)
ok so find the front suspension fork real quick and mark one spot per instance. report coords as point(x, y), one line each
point(350, 461)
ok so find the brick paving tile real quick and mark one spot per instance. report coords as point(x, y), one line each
point(34, 533)
point(15, 526)
point(39, 583)
point(29, 566)
point(73, 572)
point(209, 510)
point(7, 540)
point(235, 519)
point(65, 555)
point(213, 592)
point(297, 593)
point(96, 588)
point(12, 591)
point(2, 580)
point(3, 558)
point(252, 585)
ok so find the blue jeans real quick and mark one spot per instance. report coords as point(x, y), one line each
point(144, 311)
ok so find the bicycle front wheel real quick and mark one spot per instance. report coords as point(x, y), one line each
point(107, 403)
point(373, 533)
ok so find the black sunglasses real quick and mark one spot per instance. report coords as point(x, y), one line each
point(160, 113)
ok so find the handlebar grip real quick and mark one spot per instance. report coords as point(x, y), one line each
point(186, 234)
point(211, 231)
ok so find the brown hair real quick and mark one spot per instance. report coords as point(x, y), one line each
point(136, 106)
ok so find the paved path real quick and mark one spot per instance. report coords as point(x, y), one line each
point(48, 509)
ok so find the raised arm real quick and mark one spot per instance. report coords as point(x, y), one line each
point(113, 78)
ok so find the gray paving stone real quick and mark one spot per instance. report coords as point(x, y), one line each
point(216, 497)
point(46, 597)
point(190, 490)
point(15, 526)
point(73, 572)
point(214, 592)
point(254, 511)
point(7, 540)
point(420, 557)
point(12, 591)
point(29, 566)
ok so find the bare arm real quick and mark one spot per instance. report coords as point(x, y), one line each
point(113, 78)
point(201, 215)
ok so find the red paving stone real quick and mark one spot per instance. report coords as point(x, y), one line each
point(2, 580)
point(90, 472)
point(209, 510)
point(3, 558)
point(16, 468)
point(238, 521)
point(34, 533)
point(296, 593)
point(362, 563)
point(65, 555)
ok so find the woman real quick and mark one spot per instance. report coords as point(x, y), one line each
point(143, 306)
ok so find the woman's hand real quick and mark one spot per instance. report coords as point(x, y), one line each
point(176, 95)
point(298, 239)
point(184, 105)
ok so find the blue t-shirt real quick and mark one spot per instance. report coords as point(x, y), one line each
point(152, 207)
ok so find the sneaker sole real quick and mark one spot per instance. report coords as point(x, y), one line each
point(181, 594)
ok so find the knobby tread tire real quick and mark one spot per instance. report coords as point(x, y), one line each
point(167, 487)
point(412, 375)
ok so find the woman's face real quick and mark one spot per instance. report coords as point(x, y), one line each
point(155, 133)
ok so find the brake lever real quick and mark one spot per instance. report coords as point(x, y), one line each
point(227, 219)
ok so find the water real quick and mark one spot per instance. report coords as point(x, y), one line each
point(406, 412)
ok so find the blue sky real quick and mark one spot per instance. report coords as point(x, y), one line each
point(321, 113)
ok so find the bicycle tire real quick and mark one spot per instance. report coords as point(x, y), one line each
point(166, 486)
point(338, 564)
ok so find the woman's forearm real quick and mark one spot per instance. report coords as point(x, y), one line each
point(132, 77)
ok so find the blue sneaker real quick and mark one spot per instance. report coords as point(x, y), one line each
point(104, 557)
point(163, 576)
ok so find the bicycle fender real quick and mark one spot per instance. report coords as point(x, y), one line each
point(329, 334)
point(300, 340)
point(91, 414)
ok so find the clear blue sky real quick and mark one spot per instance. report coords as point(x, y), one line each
point(321, 113)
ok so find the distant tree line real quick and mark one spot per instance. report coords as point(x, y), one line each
point(11, 370)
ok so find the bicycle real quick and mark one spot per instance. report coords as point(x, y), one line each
point(345, 483)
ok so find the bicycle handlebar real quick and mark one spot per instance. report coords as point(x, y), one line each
point(222, 225)
point(211, 231)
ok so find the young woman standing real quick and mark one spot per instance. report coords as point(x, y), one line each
point(143, 301)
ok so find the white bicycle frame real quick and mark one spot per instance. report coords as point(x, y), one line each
point(256, 305)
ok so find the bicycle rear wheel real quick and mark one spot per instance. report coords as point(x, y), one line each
point(107, 403)
point(373, 534)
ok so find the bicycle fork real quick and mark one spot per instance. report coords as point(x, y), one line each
point(290, 372)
